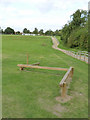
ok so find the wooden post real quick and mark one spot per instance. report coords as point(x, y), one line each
point(77, 55)
point(21, 68)
point(27, 58)
point(72, 71)
point(71, 53)
point(68, 52)
point(74, 54)
point(84, 56)
point(80, 55)
point(63, 90)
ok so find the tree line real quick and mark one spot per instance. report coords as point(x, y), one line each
point(75, 32)
point(9, 30)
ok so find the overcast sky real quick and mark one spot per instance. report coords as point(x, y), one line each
point(43, 14)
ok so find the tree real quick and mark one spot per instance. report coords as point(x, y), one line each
point(57, 32)
point(18, 33)
point(74, 33)
point(28, 31)
point(1, 30)
point(65, 33)
point(35, 31)
point(9, 30)
point(79, 18)
point(49, 32)
point(25, 30)
point(41, 32)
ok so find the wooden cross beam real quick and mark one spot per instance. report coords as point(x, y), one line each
point(40, 67)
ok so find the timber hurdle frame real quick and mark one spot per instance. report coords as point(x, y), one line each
point(64, 82)
point(22, 66)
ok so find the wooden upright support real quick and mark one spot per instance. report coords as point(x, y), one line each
point(77, 55)
point(72, 71)
point(74, 54)
point(63, 90)
point(64, 83)
point(84, 56)
point(21, 68)
point(80, 55)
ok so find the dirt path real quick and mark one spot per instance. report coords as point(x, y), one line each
point(70, 53)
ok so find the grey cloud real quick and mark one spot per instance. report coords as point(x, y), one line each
point(45, 7)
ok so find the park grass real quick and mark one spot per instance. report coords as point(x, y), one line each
point(32, 93)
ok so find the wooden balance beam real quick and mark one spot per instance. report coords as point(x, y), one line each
point(64, 82)
point(40, 67)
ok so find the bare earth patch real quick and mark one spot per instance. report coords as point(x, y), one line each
point(44, 44)
point(56, 109)
point(63, 100)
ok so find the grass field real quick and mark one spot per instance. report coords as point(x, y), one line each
point(32, 93)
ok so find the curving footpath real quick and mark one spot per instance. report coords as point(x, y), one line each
point(70, 53)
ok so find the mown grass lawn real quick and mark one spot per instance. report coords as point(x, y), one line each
point(32, 93)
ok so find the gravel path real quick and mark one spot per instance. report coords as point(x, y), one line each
point(70, 53)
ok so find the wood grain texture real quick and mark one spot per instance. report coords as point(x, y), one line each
point(41, 67)
point(69, 73)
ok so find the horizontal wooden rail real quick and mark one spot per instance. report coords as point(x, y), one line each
point(40, 67)
point(65, 81)
point(70, 71)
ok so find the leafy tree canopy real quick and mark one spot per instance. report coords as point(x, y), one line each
point(35, 31)
point(9, 30)
point(25, 30)
point(75, 32)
